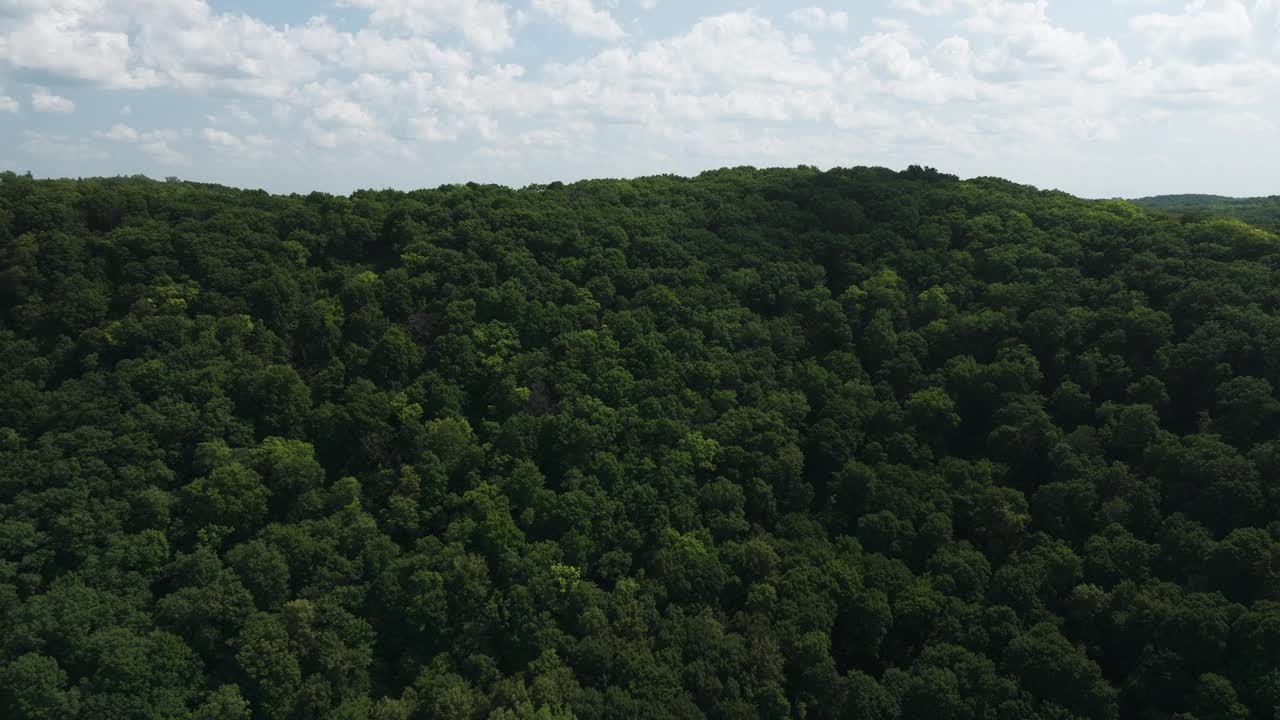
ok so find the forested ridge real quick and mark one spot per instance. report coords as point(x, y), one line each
point(753, 444)
point(1262, 211)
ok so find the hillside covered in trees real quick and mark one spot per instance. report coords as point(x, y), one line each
point(755, 444)
point(1262, 211)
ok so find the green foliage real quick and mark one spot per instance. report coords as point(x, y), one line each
point(754, 444)
point(1260, 211)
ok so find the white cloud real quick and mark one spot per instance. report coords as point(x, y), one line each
point(144, 44)
point(953, 52)
point(1204, 26)
point(549, 138)
point(1026, 30)
point(8, 104)
point(485, 24)
point(433, 129)
point(582, 17)
point(1183, 84)
point(119, 133)
point(924, 7)
point(44, 101)
point(126, 134)
point(155, 143)
point(160, 151)
point(815, 18)
point(320, 137)
point(220, 137)
point(734, 48)
point(375, 51)
point(895, 63)
point(150, 43)
point(255, 146)
point(236, 52)
point(344, 113)
point(62, 38)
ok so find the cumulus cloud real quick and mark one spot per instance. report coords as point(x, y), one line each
point(816, 18)
point(343, 113)
point(375, 51)
point(732, 48)
point(155, 143)
point(1029, 37)
point(44, 101)
point(892, 63)
point(581, 17)
point(255, 146)
point(1223, 86)
point(141, 44)
point(163, 154)
point(220, 137)
point(119, 133)
point(924, 7)
point(8, 104)
point(1204, 26)
point(432, 129)
point(65, 39)
point(486, 24)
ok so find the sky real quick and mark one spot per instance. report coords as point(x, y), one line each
point(1100, 98)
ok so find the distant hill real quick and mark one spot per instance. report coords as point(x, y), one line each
point(1262, 211)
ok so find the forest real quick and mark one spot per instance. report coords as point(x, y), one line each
point(1261, 211)
point(759, 443)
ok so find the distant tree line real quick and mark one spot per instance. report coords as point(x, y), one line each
point(1261, 211)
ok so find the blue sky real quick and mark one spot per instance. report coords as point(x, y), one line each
point(1101, 99)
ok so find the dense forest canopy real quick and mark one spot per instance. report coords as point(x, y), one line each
point(754, 444)
point(1262, 211)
